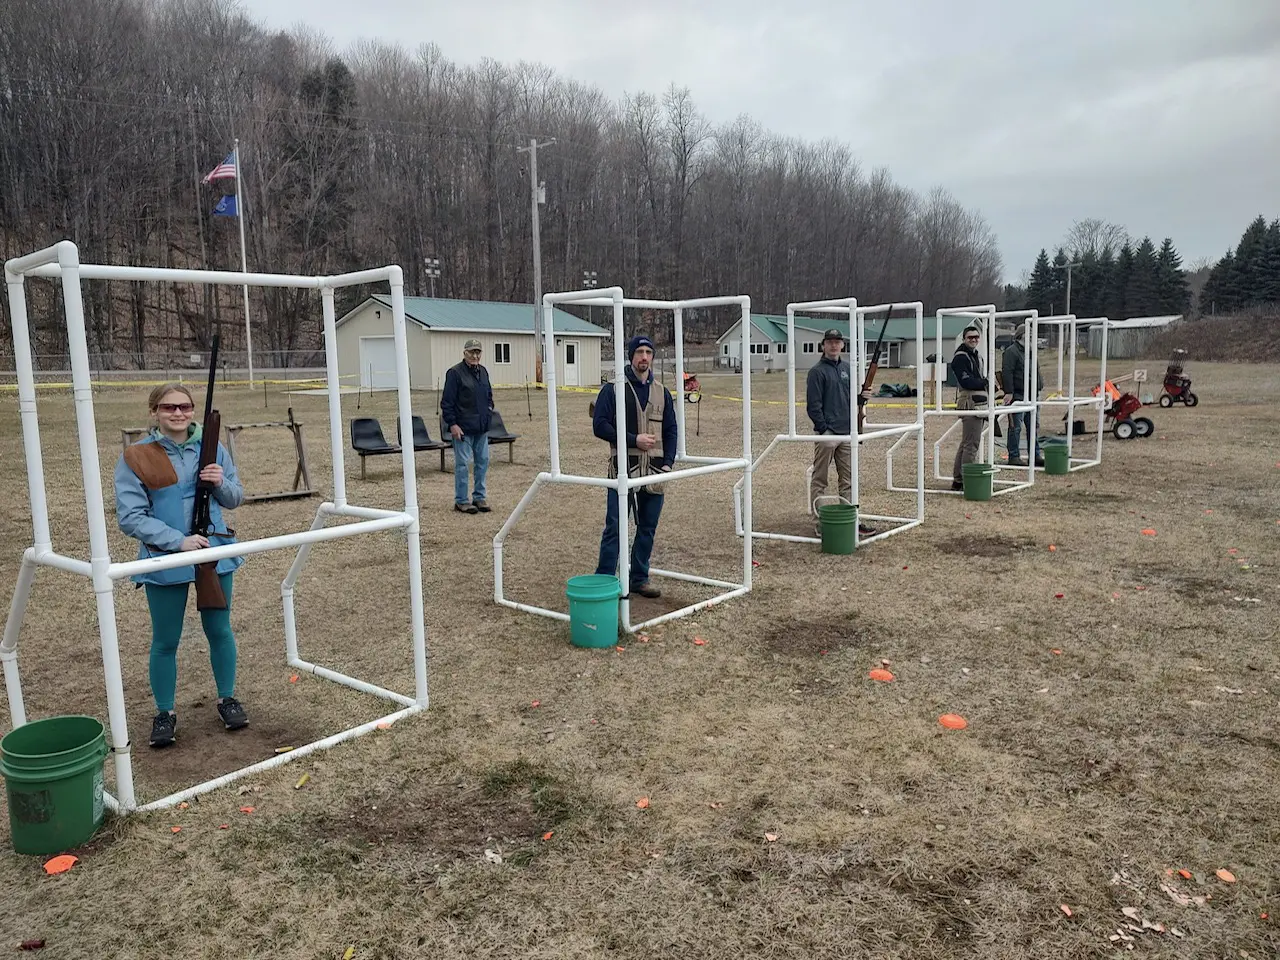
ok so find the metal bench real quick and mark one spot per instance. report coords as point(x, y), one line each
point(367, 440)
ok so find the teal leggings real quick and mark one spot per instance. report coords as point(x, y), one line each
point(168, 607)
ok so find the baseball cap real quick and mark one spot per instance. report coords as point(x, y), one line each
point(832, 334)
point(471, 345)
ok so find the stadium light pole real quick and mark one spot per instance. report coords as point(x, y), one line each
point(433, 272)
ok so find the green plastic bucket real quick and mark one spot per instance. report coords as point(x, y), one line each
point(977, 480)
point(593, 610)
point(839, 522)
point(53, 780)
point(1056, 458)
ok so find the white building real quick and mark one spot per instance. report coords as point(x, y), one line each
point(436, 331)
point(768, 344)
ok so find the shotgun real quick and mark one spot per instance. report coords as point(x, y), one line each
point(873, 367)
point(209, 595)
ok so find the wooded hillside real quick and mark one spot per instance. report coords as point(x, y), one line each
point(115, 109)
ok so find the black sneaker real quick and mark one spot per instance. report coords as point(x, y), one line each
point(232, 714)
point(164, 729)
point(466, 508)
point(481, 505)
point(865, 531)
point(957, 485)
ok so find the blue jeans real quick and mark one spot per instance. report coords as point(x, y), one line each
point(648, 509)
point(470, 455)
point(1016, 422)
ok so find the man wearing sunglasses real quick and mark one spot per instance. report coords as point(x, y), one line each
point(966, 365)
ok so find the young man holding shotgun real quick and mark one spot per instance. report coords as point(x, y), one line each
point(827, 389)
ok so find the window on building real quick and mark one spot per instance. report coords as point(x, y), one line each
point(808, 347)
point(502, 353)
point(725, 350)
point(760, 348)
point(782, 348)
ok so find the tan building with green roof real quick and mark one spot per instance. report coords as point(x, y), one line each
point(436, 330)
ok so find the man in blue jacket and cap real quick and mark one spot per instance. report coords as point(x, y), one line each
point(651, 448)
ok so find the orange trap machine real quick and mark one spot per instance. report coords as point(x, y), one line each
point(1119, 413)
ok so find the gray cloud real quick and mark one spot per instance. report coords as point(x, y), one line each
point(1161, 115)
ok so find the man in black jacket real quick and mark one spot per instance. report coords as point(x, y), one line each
point(827, 388)
point(466, 407)
point(1013, 370)
point(651, 448)
point(966, 365)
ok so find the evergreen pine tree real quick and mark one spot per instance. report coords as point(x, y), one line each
point(1058, 284)
point(1142, 292)
point(1250, 269)
point(1087, 286)
point(1117, 305)
point(1269, 272)
point(1106, 279)
point(1038, 287)
point(1217, 296)
point(1173, 295)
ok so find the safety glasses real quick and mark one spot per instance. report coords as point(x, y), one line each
point(175, 407)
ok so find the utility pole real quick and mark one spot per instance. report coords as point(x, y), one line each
point(537, 196)
point(433, 273)
point(1067, 267)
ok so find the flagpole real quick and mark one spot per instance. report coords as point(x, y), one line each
point(244, 264)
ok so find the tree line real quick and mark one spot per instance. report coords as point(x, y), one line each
point(1248, 276)
point(1110, 276)
point(115, 109)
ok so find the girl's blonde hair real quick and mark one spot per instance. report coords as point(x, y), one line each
point(153, 401)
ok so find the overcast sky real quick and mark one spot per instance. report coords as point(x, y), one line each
point(1160, 115)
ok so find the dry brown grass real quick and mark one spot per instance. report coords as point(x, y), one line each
point(1083, 777)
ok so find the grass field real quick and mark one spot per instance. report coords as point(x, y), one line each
point(1118, 733)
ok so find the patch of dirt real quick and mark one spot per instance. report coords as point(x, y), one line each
point(507, 811)
point(206, 749)
point(814, 638)
point(445, 821)
point(995, 545)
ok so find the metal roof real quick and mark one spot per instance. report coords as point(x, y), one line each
point(484, 316)
point(1144, 322)
point(900, 328)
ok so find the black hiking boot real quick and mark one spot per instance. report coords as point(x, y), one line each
point(232, 714)
point(164, 729)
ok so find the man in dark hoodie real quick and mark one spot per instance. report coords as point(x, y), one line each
point(466, 406)
point(827, 388)
point(651, 448)
point(966, 366)
point(1013, 369)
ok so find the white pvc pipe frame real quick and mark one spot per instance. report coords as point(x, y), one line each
point(1068, 324)
point(903, 431)
point(62, 262)
point(614, 297)
point(984, 317)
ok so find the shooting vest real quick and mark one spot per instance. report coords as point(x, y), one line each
point(648, 420)
point(975, 398)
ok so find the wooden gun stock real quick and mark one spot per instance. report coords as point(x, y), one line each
point(209, 595)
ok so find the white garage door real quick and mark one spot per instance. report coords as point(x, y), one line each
point(378, 363)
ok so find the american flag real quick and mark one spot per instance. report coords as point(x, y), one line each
point(226, 170)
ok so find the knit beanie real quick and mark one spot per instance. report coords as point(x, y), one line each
point(636, 342)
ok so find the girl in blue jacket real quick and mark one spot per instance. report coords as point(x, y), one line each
point(155, 485)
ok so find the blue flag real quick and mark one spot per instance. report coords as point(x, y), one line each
point(226, 207)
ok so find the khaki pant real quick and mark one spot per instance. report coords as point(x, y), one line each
point(823, 455)
point(970, 438)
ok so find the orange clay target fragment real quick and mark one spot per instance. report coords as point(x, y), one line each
point(884, 676)
point(953, 721)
